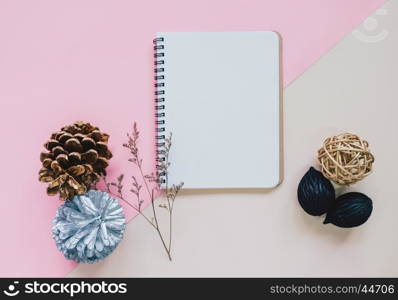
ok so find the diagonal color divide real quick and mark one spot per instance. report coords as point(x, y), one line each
point(92, 60)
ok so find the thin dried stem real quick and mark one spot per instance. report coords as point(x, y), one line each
point(170, 192)
point(120, 196)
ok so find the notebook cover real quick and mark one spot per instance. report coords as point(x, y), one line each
point(221, 94)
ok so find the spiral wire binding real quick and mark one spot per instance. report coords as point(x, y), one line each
point(159, 104)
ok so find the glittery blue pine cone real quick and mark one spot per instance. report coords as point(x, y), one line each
point(89, 227)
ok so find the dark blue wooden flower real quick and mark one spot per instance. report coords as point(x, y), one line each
point(350, 210)
point(315, 193)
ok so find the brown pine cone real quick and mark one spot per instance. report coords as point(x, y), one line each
point(75, 160)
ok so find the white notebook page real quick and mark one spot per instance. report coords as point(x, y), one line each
point(222, 99)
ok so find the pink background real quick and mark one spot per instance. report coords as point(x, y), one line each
point(62, 61)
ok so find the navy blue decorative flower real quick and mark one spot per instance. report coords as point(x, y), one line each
point(89, 227)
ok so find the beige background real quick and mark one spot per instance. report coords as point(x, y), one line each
point(238, 233)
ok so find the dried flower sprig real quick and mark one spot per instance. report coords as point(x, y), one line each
point(152, 183)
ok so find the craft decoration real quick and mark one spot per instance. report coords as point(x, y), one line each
point(350, 210)
point(315, 193)
point(75, 160)
point(345, 158)
point(89, 227)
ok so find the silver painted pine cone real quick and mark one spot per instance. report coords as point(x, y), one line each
point(89, 227)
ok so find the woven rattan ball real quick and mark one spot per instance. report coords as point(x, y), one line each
point(345, 158)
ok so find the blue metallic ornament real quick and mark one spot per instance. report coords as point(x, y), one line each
point(89, 227)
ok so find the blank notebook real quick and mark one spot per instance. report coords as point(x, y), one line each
point(218, 93)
